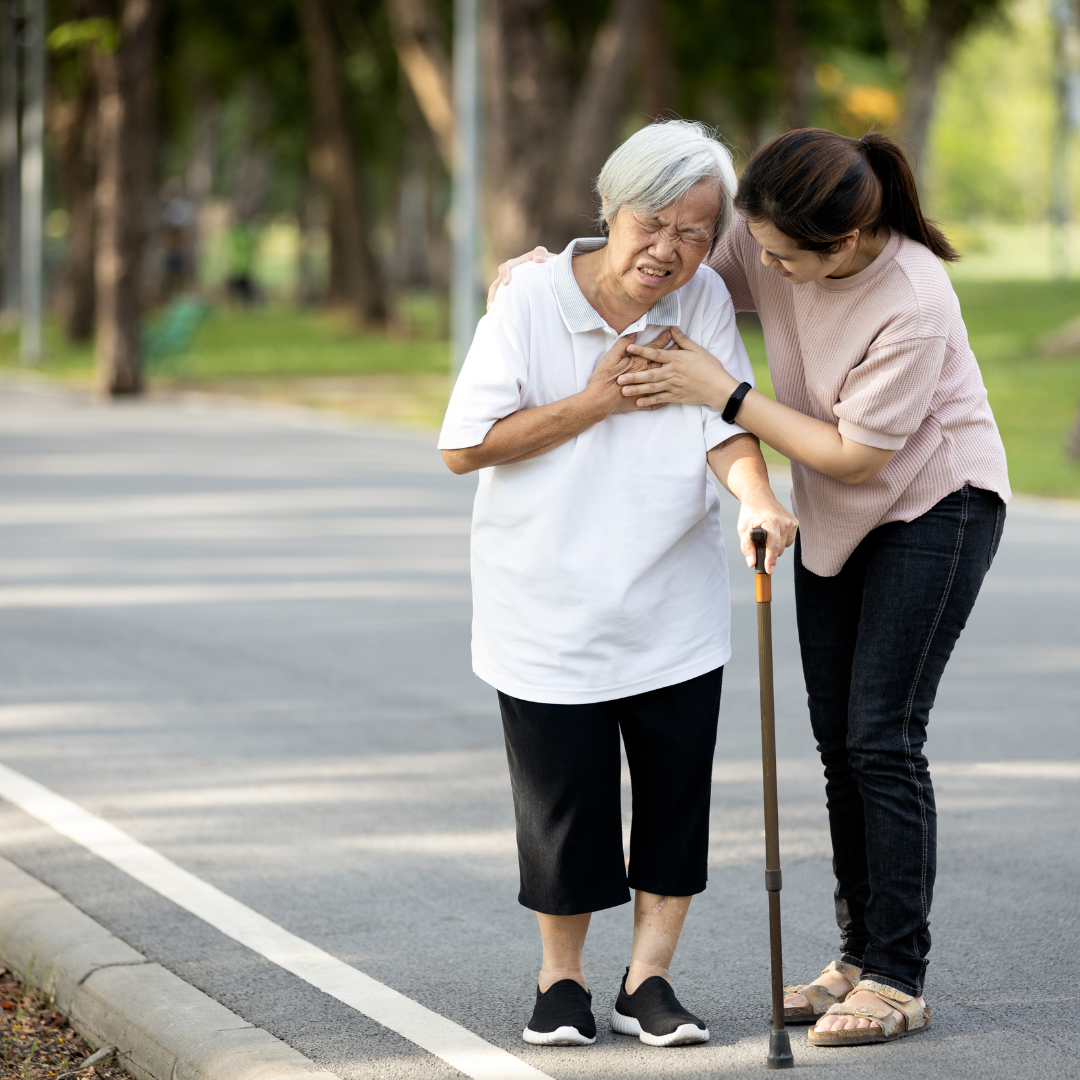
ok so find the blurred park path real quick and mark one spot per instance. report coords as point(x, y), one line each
point(242, 636)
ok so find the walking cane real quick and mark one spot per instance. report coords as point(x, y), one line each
point(779, 1044)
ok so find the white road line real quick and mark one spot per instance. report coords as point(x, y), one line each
point(445, 1039)
point(83, 596)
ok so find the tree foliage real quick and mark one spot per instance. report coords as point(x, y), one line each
point(236, 106)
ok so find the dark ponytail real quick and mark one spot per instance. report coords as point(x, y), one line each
point(816, 186)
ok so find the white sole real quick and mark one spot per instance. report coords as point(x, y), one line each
point(568, 1035)
point(683, 1035)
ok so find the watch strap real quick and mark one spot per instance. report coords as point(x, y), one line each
point(731, 409)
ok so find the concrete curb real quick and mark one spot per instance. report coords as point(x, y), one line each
point(164, 1027)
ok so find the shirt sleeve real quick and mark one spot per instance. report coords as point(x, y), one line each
point(886, 397)
point(727, 260)
point(492, 378)
point(722, 339)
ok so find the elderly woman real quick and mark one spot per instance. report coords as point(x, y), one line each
point(599, 574)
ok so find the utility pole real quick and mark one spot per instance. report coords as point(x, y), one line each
point(465, 203)
point(1066, 122)
point(33, 180)
point(9, 165)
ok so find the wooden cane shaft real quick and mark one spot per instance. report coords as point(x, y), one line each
point(768, 737)
point(772, 822)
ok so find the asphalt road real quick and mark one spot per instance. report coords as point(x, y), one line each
point(243, 637)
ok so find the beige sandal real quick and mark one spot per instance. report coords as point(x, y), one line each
point(914, 1017)
point(820, 1000)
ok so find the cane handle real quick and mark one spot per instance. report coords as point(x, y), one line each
point(762, 581)
point(757, 538)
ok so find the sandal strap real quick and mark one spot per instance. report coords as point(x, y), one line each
point(914, 1014)
point(845, 970)
point(882, 1017)
point(815, 994)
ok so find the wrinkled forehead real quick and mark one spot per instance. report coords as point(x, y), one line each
point(697, 210)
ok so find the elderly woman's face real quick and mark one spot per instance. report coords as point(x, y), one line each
point(653, 254)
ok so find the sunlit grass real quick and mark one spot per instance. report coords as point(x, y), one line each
point(1035, 398)
point(261, 342)
point(281, 341)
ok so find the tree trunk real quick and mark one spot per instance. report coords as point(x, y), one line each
point(199, 179)
point(926, 54)
point(595, 120)
point(655, 69)
point(354, 277)
point(526, 87)
point(423, 56)
point(924, 44)
point(9, 168)
point(126, 142)
point(74, 132)
point(793, 64)
point(541, 169)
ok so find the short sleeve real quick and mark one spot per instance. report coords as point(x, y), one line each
point(885, 398)
point(492, 379)
point(721, 338)
point(728, 260)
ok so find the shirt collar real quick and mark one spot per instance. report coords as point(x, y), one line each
point(579, 315)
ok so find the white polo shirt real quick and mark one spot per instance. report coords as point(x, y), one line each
point(598, 568)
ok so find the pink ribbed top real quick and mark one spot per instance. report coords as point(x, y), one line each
point(884, 355)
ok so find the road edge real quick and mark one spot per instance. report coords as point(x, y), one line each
point(164, 1028)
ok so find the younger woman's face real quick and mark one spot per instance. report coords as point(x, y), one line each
point(780, 253)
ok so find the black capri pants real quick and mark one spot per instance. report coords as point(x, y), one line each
point(565, 771)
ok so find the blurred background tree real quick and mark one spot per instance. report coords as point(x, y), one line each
point(302, 146)
point(287, 163)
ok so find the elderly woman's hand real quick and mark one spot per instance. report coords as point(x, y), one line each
point(687, 374)
point(604, 385)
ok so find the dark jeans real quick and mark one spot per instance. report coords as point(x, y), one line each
point(875, 640)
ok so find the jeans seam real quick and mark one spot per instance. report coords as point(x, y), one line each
point(995, 539)
point(911, 706)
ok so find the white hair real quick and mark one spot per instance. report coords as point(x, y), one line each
point(659, 164)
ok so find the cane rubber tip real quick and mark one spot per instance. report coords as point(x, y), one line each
point(779, 1051)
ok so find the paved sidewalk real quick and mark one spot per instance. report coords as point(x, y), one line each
point(241, 636)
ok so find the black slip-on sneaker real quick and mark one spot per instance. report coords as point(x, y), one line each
point(653, 1013)
point(562, 1016)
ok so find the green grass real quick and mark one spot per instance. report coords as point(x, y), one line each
point(62, 358)
point(264, 342)
point(281, 341)
point(1034, 398)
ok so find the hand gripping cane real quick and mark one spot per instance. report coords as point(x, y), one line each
point(779, 1045)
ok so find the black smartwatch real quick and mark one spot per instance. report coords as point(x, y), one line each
point(731, 409)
